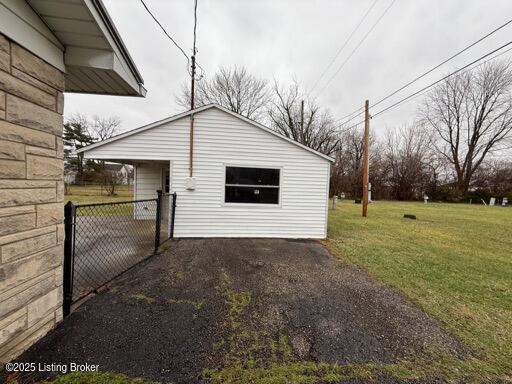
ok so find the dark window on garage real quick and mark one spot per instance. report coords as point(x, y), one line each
point(252, 185)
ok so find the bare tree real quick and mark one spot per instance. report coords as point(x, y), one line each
point(102, 128)
point(347, 170)
point(233, 88)
point(405, 159)
point(318, 131)
point(495, 178)
point(470, 116)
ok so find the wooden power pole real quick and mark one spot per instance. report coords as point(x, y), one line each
point(302, 117)
point(366, 162)
point(192, 105)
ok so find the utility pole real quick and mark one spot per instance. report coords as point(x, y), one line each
point(192, 95)
point(366, 162)
point(302, 117)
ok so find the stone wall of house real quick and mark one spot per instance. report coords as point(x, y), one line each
point(31, 198)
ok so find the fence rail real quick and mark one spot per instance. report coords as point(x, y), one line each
point(104, 240)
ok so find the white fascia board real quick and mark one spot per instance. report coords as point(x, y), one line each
point(123, 63)
point(20, 23)
point(120, 69)
point(195, 111)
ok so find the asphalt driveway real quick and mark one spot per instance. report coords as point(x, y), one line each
point(207, 305)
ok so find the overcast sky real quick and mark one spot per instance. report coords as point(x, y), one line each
point(286, 39)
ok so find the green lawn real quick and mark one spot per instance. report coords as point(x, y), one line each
point(96, 194)
point(455, 262)
point(90, 199)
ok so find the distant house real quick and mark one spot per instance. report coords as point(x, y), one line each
point(123, 172)
point(247, 180)
point(47, 48)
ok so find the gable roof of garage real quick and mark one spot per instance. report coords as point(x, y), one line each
point(195, 111)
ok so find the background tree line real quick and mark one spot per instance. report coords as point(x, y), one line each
point(80, 131)
point(449, 152)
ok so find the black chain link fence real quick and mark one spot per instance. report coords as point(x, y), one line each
point(105, 240)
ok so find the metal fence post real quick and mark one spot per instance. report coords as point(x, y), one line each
point(69, 216)
point(158, 219)
point(173, 214)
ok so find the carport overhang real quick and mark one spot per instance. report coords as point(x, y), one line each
point(78, 38)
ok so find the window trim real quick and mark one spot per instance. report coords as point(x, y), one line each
point(251, 205)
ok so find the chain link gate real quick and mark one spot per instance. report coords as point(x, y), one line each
point(104, 240)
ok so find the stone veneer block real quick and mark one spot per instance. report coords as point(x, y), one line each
point(14, 273)
point(12, 169)
point(48, 214)
point(12, 324)
point(60, 233)
point(16, 184)
point(20, 249)
point(17, 210)
point(41, 307)
point(18, 223)
point(5, 58)
point(25, 235)
point(46, 168)
point(59, 144)
point(14, 132)
point(60, 191)
point(25, 339)
point(15, 86)
point(29, 115)
point(34, 66)
point(33, 81)
point(60, 103)
point(13, 197)
point(40, 151)
point(2, 101)
point(12, 151)
point(27, 291)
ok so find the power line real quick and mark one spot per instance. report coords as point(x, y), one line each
point(442, 79)
point(357, 46)
point(433, 68)
point(163, 29)
point(422, 90)
point(344, 45)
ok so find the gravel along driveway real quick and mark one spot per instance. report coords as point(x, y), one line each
point(210, 307)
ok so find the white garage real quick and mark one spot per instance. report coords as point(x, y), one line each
point(237, 179)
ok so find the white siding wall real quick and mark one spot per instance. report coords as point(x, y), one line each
point(222, 139)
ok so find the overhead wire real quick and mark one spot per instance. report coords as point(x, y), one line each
point(344, 45)
point(172, 39)
point(431, 69)
point(357, 46)
point(426, 88)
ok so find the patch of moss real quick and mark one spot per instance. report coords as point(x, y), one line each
point(164, 247)
point(142, 297)
point(98, 378)
point(196, 304)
